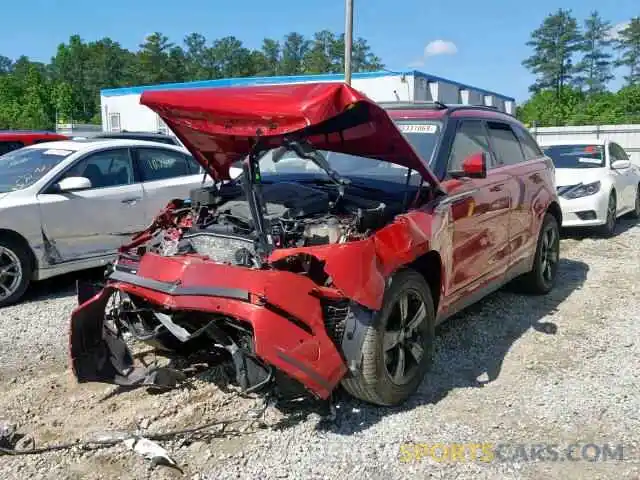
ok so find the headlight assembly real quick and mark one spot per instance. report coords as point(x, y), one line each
point(582, 190)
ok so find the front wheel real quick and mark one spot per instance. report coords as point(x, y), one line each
point(15, 271)
point(635, 213)
point(609, 226)
point(398, 347)
point(541, 279)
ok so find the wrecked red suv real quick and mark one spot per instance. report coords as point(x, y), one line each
point(354, 229)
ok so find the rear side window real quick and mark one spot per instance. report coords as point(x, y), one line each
point(505, 144)
point(470, 138)
point(529, 146)
point(159, 164)
point(6, 147)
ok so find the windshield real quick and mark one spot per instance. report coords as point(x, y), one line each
point(576, 156)
point(22, 168)
point(422, 135)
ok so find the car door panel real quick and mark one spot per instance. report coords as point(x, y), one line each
point(479, 219)
point(94, 222)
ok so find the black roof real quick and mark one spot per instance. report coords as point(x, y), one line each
point(151, 136)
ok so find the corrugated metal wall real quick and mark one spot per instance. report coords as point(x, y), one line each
point(627, 136)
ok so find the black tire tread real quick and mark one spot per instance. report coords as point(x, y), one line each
point(530, 282)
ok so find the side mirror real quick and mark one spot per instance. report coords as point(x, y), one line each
point(620, 164)
point(71, 184)
point(474, 166)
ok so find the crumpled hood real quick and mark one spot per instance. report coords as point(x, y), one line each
point(573, 176)
point(220, 125)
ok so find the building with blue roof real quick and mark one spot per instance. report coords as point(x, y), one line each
point(121, 109)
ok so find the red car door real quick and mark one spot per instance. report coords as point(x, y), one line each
point(525, 162)
point(479, 219)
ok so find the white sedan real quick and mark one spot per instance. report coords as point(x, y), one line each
point(596, 182)
point(68, 205)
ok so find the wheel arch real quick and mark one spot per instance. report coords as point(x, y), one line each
point(12, 235)
point(555, 210)
point(430, 267)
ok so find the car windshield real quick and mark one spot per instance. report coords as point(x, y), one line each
point(422, 135)
point(23, 167)
point(576, 156)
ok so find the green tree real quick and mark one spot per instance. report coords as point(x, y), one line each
point(36, 107)
point(294, 50)
point(271, 51)
point(318, 58)
point(153, 59)
point(554, 44)
point(63, 102)
point(593, 72)
point(629, 46)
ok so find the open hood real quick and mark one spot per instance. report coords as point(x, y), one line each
point(220, 125)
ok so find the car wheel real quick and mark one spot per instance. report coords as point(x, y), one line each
point(541, 279)
point(609, 227)
point(398, 347)
point(15, 271)
point(636, 210)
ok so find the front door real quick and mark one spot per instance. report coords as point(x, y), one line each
point(479, 217)
point(94, 222)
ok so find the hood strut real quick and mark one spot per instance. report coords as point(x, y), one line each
point(252, 186)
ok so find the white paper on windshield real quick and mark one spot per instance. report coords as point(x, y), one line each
point(418, 128)
point(593, 161)
point(53, 151)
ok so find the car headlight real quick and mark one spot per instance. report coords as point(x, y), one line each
point(583, 190)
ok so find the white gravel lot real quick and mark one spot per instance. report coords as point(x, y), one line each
point(560, 369)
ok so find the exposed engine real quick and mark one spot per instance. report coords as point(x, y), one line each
point(218, 223)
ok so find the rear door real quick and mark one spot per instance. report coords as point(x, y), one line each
point(166, 174)
point(479, 212)
point(521, 158)
point(96, 221)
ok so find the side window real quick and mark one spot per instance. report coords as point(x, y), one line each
point(529, 146)
point(6, 147)
point(159, 164)
point(194, 166)
point(470, 138)
point(617, 152)
point(109, 168)
point(505, 144)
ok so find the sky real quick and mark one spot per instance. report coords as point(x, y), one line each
point(477, 43)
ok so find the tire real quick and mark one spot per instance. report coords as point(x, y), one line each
point(14, 258)
point(635, 213)
point(374, 384)
point(609, 228)
point(540, 281)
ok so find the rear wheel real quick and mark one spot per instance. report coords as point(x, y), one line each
point(541, 279)
point(15, 271)
point(609, 227)
point(398, 347)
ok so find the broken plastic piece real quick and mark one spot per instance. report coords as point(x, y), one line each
point(7, 434)
point(151, 451)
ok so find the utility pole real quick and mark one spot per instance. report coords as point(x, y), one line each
point(348, 40)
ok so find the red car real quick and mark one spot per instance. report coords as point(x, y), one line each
point(353, 231)
point(13, 139)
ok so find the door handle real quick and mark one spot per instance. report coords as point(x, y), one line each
point(131, 201)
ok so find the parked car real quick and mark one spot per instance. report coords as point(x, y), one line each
point(69, 205)
point(596, 181)
point(148, 136)
point(14, 139)
point(357, 230)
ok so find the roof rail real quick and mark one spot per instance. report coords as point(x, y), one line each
point(436, 105)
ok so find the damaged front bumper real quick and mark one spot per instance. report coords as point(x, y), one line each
point(286, 313)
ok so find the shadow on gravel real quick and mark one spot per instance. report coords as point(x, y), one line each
point(60, 287)
point(624, 224)
point(471, 345)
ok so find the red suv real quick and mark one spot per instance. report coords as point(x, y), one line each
point(354, 229)
point(14, 139)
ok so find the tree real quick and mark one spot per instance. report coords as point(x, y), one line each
point(318, 58)
point(271, 51)
point(593, 72)
point(554, 44)
point(153, 59)
point(628, 44)
point(294, 49)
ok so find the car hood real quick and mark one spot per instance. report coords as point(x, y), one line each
point(220, 125)
point(573, 176)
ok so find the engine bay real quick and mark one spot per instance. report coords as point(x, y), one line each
point(217, 222)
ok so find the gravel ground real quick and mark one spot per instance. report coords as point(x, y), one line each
point(560, 369)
